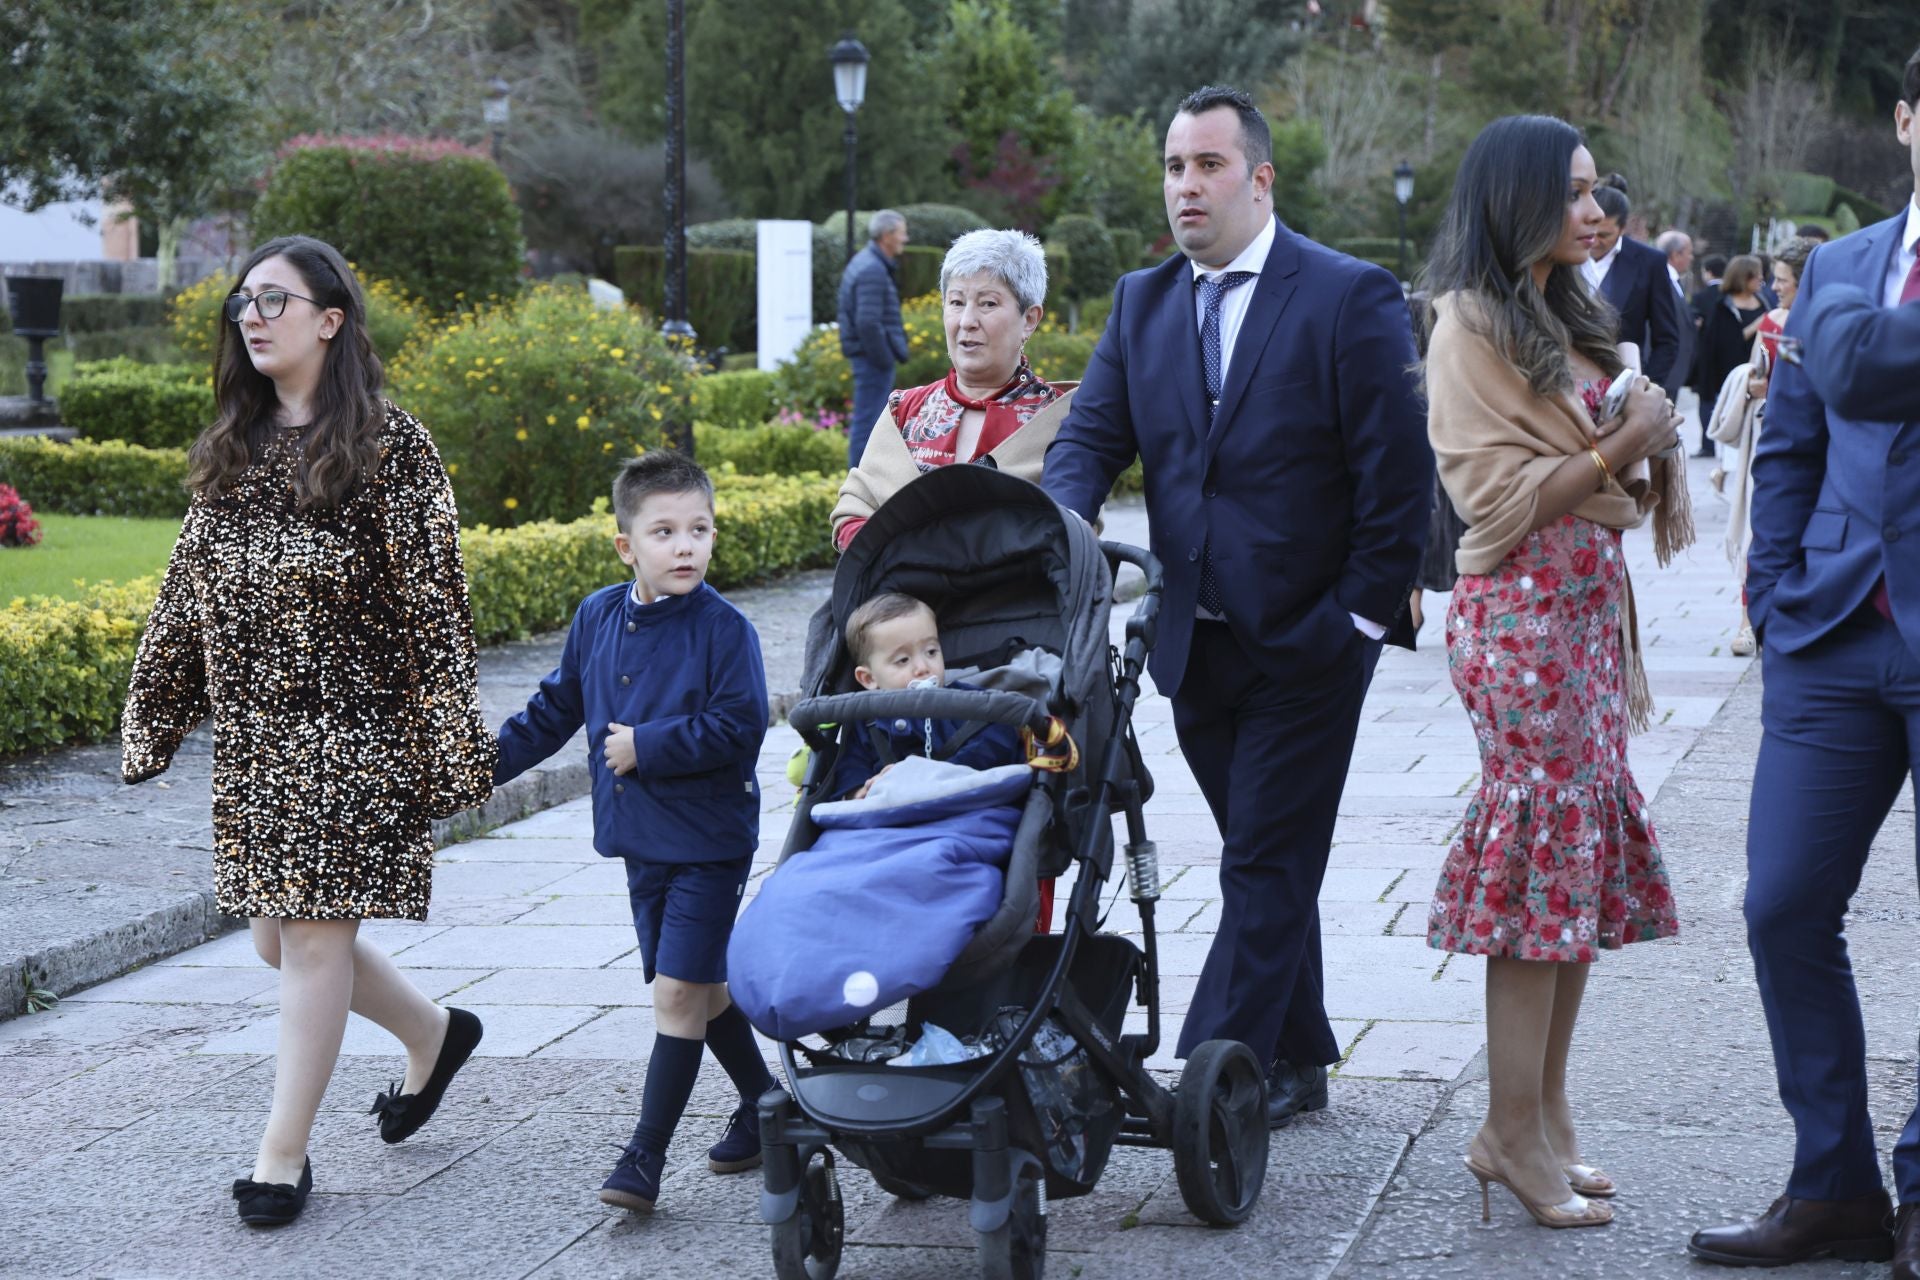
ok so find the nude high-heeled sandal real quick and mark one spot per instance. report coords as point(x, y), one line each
point(1589, 1181)
point(1574, 1211)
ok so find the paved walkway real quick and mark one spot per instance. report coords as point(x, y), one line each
point(130, 1106)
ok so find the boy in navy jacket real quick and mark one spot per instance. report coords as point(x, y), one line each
point(667, 678)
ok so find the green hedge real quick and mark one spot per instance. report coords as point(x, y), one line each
point(147, 344)
point(1092, 262)
point(743, 398)
point(721, 301)
point(770, 450)
point(160, 405)
point(65, 664)
point(937, 226)
point(99, 312)
point(89, 478)
point(920, 270)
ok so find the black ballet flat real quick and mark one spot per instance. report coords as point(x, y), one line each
point(402, 1114)
point(272, 1204)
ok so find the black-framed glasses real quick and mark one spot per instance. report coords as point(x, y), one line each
point(272, 303)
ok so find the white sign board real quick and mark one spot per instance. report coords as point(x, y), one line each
point(784, 272)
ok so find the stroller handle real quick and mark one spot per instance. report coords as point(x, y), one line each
point(1143, 625)
point(994, 706)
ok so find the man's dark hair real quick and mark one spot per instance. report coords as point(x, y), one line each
point(1814, 232)
point(1714, 264)
point(1256, 140)
point(655, 471)
point(1910, 82)
point(1613, 202)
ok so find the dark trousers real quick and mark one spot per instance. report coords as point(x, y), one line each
point(1271, 758)
point(871, 383)
point(1842, 730)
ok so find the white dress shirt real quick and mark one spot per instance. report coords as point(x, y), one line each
point(1903, 255)
point(1596, 272)
point(1678, 286)
point(1233, 311)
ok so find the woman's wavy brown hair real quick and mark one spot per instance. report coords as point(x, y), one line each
point(1507, 212)
point(340, 448)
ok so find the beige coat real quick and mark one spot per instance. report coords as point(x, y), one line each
point(886, 466)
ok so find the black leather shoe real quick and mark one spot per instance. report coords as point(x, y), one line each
point(402, 1114)
point(1906, 1243)
point(1856, 1230)
point(1292, 1089)
point(272, 1204)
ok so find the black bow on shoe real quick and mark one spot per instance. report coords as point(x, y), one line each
point(402, 1114)
point(272, 1204)
point(391, 1103)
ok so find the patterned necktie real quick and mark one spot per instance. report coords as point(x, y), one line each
point(1909, 292)
point(1212, 290)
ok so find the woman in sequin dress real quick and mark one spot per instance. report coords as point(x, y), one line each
point(316, 608)
point(1555, 860)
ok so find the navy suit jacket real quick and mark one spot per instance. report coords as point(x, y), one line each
point(1864, 359)
point(1314, 483)
point(1651, 313)
point(1836, 494)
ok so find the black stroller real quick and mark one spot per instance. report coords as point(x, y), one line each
point(1008, 573)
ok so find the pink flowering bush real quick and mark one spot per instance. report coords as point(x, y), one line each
point(18, 528)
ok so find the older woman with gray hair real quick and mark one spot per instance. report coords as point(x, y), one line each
point(990, 407)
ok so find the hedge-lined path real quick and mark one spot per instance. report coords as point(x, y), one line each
point(531, 928)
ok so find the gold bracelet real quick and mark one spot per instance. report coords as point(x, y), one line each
point(1606, 472)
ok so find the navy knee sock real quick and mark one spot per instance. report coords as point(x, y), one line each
point(670, 1074)
point(730, 1036)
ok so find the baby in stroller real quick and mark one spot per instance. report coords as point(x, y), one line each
point(895, 640)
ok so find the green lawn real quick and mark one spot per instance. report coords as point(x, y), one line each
point(86, 548)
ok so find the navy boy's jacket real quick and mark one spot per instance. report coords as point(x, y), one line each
point(685, 672)
point(990, 747)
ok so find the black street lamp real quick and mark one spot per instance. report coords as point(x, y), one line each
point(676, 325)
point(850, 89)
point(497, 111)
point(1403, 196)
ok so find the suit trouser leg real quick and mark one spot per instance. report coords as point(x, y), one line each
point(1832, 757)
point(1271, 759)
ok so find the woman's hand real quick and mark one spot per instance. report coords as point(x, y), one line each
point(1649, 424)
point(1757, 388)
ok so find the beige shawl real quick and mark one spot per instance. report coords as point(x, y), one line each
point(886, 467)
point(1496, 442)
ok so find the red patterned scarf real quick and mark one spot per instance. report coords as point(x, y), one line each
point(929, 416)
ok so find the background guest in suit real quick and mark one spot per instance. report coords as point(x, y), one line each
point(1263, 381)
point(1678, 247)
point(1633, 278)
point(872, 337)
point(1833, 588)
point(1555, 861)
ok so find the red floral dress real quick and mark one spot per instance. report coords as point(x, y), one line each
point(1557, 858)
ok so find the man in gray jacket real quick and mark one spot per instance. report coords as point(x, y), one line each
point(871, 335)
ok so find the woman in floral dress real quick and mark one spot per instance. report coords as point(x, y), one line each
point(1555, 860)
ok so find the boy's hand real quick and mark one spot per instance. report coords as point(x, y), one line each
point(867, 786)
point(619, 748)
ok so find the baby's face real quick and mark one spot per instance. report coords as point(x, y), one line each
point(901, 651)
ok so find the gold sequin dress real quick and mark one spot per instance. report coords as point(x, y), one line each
point(335, 652)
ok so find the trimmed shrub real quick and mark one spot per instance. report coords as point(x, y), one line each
point(435, 217)
point(533, 401)
point(816, 377)
point(107, 478)
point(148, 344)
point(920, 270)
point(1865, 212)
point(65, 664)
point(1061, 357)
point(99, 312)
point(937, 226)
point(393, 319)
point(738, 399)
point(1092, 266)
point(1128, 246)
point(778, 449)
point(161, 405)
point(721, 297)
point(1809, 193)
point(1382, 251)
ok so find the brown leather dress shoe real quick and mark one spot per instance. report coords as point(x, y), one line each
point(1792, 1230)
point(1906, 1243)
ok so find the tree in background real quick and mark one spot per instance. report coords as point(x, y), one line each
point(1150, 60)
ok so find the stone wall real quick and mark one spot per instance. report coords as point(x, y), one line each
point(140, 275)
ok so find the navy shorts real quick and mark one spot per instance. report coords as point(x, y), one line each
point(683, 913)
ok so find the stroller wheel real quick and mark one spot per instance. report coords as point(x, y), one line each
point(1017, 1248)
point(807, 1245)
point(1220, 1132)
point(902, 1189)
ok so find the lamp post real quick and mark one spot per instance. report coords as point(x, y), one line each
point(850, 89)
point(1403, 196)
point(675, 301)
point(497, 111)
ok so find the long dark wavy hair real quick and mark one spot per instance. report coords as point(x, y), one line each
point(1507, 212)
point(340, 448)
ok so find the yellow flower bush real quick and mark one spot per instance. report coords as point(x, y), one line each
point(393, 319)
point(525, 396)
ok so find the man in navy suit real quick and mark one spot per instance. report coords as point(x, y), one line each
point(1864, 359)
point(1264, 383)
point(1833, 589)
point(1633, 277)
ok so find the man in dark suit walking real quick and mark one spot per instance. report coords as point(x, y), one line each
point(1833, 589)
point(1264, 382)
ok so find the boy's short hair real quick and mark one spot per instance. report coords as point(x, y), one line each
point(881, 609)
point(655, 471)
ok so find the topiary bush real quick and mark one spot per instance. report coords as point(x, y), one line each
point(1091, 263)
point(744, 398)
point(532, 401)
point(88, 478)
point(435, 217)
point(920, 270)
point(163, 405)
point(393, 319)
point(721, 298)
point(937, 226)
